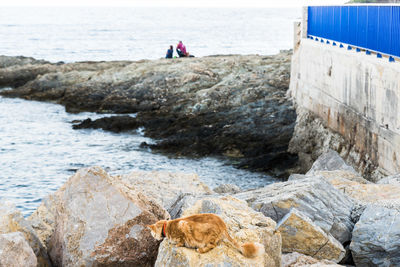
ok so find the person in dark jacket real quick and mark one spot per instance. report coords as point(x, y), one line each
point(170, 52)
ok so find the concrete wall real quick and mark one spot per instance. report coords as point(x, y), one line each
point(356, 95)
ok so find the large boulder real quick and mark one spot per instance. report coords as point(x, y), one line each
point(300, 234)
point(100, 221)
point(164, 187)
point(15, 251)
point(244, 224)
point(11, 220)
point(376, 236)
point(326, 206)
point(296, 259)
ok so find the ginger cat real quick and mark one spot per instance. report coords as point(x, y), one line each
point(200, 231)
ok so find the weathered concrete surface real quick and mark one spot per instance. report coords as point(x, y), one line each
point(99, 221)
point(244, 224)
point(11, 220)
point(222, 105)
point(326, 206)
point(300, 234)
point(376, 237)
point(15, 251)
point(356, 96)
point(296, 259)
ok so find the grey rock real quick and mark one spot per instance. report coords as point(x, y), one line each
point(7, 61)
point(326, 206)
point(15, 251)
point(183, 202)
point(165, 188)
point(296, 259)
point(227, 189)
point(376, 237)
point(393, 179)
point(330, 161)
point(297, 176)
point(357, 211)
point(11, 220)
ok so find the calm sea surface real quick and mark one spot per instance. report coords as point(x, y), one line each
point(38, 148)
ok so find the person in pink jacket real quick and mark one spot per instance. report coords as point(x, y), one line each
point(181, 49)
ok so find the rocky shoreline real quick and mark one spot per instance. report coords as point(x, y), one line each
point(330, 216)
point(234, 106)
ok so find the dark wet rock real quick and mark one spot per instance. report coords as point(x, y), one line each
point(234, 106)
point(114, 124)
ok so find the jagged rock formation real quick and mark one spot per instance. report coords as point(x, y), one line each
point(222, 105)
point(311, 139)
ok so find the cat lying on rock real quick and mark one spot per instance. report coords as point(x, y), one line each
point(201, 231)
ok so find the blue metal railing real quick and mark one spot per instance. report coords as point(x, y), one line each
point(375, 28)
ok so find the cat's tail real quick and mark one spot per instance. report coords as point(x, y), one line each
point(249, 250)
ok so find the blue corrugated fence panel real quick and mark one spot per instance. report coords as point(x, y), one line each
point(395, 40)
point(374, 28)
point(353, 24)
point(362, 26)
point(329, 24)
point(336, 23)
point(311, 22)
point(344, 29)
point(384, 32)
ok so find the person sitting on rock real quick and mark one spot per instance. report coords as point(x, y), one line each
point(181, 50)
point(170, 52)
